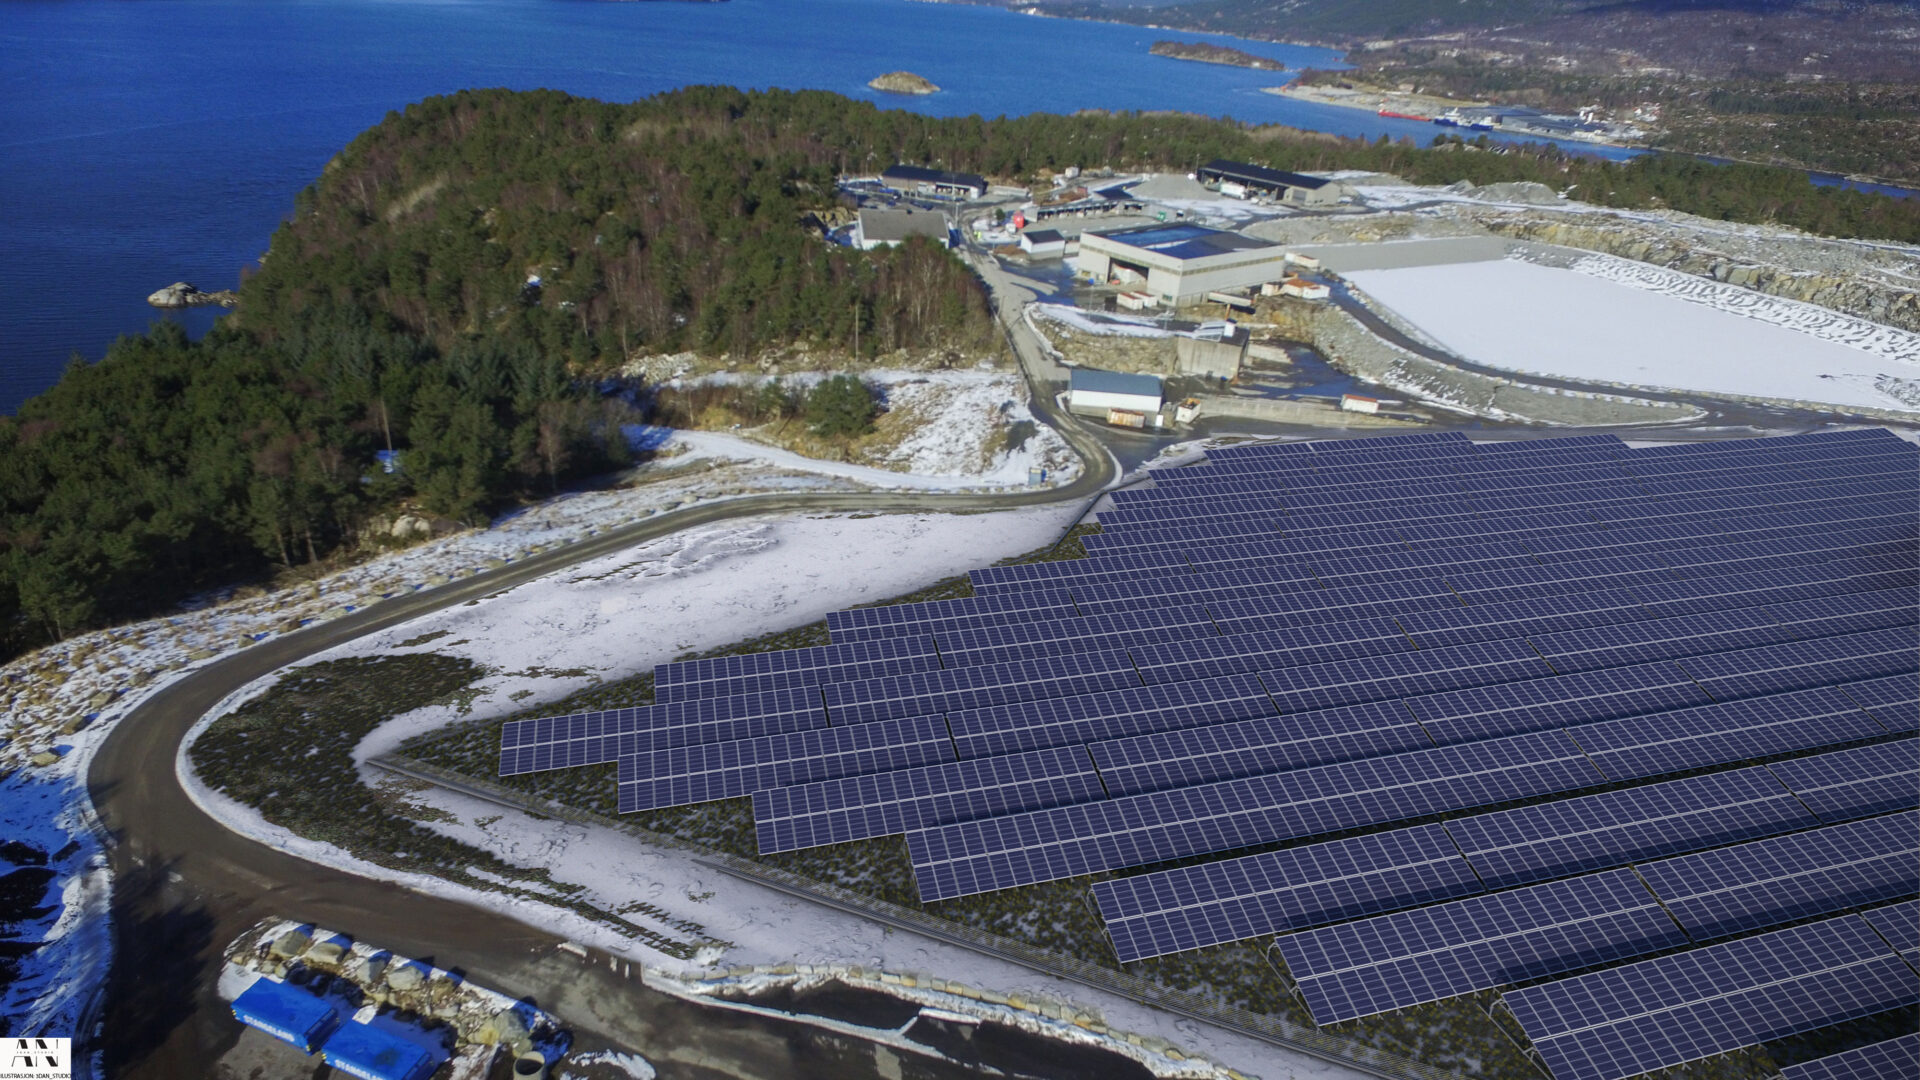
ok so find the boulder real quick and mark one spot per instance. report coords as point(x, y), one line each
point(290, 944)
point(406, 978)
point(505, 1026)
point(327, 953)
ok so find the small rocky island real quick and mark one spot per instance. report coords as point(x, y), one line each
point(1214, 54)
point(180, 294)
point(903, 82)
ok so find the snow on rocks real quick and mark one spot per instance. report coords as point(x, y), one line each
point(1883, 341)
point(1099, 322)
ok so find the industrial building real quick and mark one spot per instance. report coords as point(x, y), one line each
point(938, 183)
point(885, 228)
point(1179, 263)
point(1093, 392)
point(1240, 179)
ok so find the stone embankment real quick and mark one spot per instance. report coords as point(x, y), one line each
point(180, 294)
point(1851, 293)
point(1355, 350)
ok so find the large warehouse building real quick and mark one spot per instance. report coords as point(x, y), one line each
point(1179, 263)
point(1294, 189)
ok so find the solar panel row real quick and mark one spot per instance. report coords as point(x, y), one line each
point(1623, 1021)
point(1192, 907)
point(1892, 1059)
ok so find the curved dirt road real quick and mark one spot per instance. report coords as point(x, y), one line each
point(184, 885)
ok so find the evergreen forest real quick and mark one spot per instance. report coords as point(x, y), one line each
point(452, 292)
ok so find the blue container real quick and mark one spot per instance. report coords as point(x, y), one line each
point(372, 1054)
point(287, 1013)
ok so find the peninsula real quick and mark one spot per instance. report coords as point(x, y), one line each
point(1214, 54)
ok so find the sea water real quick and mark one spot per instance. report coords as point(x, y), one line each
point(144, 143)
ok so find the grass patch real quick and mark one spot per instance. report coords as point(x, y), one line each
point(288, 754)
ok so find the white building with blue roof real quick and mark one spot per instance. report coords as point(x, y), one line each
point(1179, 263)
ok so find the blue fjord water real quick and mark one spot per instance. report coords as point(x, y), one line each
point(144, 143)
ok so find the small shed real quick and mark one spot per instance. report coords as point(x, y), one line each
point(1356, 403)
point(371, 1053)
point(287, 1013)
point(1043, 244)
point(1098, 393)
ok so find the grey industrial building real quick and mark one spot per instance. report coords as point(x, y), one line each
point(1179, 263)
point(1294, 189)
point(885, 228)
point(935, 182)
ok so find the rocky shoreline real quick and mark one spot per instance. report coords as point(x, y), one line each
point(903, 82)
point(1204, 53)
point(181, 294)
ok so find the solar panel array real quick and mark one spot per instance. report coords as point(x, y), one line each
point(1490, 714)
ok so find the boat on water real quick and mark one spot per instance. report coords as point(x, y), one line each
point(1404, 116)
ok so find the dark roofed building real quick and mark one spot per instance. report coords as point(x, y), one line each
point(1288, 187)
point(936, 182)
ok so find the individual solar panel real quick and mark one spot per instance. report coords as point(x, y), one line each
point(1855, 783)
point(1199, 755)
point(1195, 906)
point(1685, 739)
point(1891, 1059)
point(1894, 700)
point(1780, 879)
point(884, 804)
point(1427, 954)
point(1802, 664)
point(1899, 925)
point(687, 775)
point(721, 676)
point(1486, 712)
point(926, 692)
point(1623, 1021)
point(1114, 714)
point(1570, 836)
point(1068, 841)
point(594, 738)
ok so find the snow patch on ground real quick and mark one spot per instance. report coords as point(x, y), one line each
point(633, 1065)
point(1099, 322)
point(1542, 320)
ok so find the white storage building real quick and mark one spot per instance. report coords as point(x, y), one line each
point(1095, 392)
point(885, 228)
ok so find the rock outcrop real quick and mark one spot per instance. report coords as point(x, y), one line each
point(1849, 294)
point(181, 294)
point(903, 82)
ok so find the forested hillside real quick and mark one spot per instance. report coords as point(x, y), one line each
point(396, 311)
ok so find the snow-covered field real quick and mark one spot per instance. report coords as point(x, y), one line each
point(1642, 326)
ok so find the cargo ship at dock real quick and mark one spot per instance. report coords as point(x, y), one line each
point(1404, 116)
